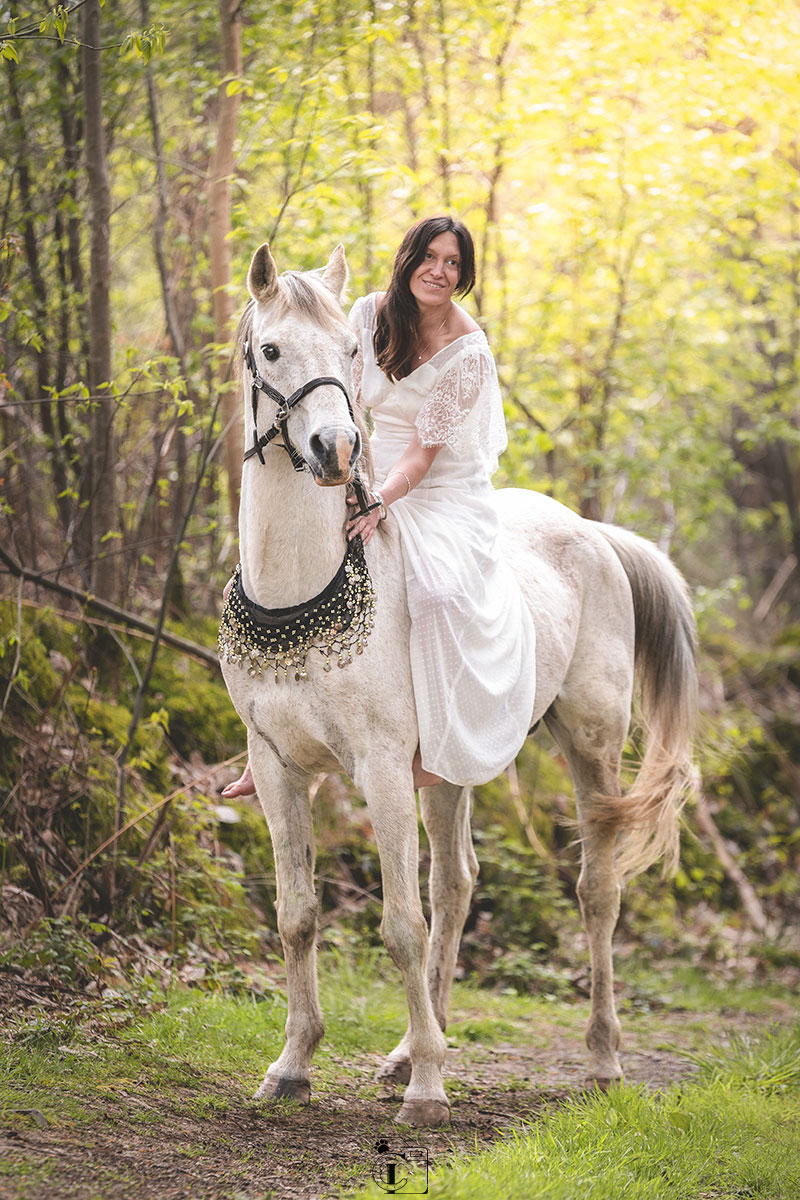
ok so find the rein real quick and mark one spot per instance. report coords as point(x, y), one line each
point(279, 427)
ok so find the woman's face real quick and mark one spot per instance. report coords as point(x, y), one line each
point(436, 278)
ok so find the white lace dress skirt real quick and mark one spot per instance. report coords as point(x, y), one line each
point(472, 638)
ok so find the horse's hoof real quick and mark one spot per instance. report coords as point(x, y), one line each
point(603, 1082)
point(395, 1071)
point(423, 1114)
point(281, 1087)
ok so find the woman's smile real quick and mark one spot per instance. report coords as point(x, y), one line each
point(440, 270)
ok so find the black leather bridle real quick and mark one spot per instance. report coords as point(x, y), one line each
point(279, 425)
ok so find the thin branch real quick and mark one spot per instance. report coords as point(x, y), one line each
point(524, 817)
point(108, 609)
point(747, 893)
point(69, 10)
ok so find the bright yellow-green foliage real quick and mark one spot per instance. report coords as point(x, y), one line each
point(629, 171)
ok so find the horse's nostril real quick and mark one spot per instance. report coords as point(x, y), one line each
point(334, 449)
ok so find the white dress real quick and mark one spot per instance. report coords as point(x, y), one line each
point(472, 637)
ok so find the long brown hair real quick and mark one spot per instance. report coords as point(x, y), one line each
point(397, 322)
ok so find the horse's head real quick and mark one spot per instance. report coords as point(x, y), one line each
point(298, 335)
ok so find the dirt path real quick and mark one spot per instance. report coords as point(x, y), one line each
point(145, 1147)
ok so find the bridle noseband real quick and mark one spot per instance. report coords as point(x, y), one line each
point(285, 405)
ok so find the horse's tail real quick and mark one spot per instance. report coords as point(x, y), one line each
point(665, 657)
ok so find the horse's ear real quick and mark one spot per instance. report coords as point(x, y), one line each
point(262, 280)
point(335, 274)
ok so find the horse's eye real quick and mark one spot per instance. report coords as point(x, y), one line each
point(270, 352)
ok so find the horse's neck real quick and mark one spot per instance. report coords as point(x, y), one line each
point(291, 533)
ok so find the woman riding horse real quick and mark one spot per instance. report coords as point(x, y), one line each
point(457, 684)
point(425, 371)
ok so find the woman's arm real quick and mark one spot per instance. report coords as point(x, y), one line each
point(409, 470)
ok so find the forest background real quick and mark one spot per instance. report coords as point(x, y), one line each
point(631, 174)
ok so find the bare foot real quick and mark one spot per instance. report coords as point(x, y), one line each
point(243, 786)
point(422, 778)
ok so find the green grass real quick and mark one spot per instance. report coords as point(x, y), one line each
point(734, 1134)
point(770, 1062)
point(193, 1036)
point(61, 1064)
point(681, 986)
point(28, 1177)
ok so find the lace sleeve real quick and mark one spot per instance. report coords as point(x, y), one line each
point(464, 410)
point(456, 392)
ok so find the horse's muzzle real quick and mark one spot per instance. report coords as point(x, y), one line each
point(332, 454)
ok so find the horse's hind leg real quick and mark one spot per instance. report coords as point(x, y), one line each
point(595, 774)
point(446, 811)
point(599, 896)
point(283, 792)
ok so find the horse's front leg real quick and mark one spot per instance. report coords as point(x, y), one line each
point(393, 813)
point(446, 812)
point(283, 793)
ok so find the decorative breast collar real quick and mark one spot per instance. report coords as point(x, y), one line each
point(335, 622)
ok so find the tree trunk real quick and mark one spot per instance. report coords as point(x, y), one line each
point(73, 303)
point(102, 449)
point(39, 302)
point(219, 227)
point(352, 68)
point(491, 228)
point(177, 334)
point(444, 75)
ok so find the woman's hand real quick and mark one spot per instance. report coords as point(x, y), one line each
point(365, 525)
point(412, 466)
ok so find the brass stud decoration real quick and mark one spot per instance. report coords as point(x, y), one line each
point(336, 622)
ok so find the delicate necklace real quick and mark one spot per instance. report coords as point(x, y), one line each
point(426, 343)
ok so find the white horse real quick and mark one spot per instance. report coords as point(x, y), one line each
point(602, 599)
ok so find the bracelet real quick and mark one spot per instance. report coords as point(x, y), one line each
point(381, 505)
point(408, 481)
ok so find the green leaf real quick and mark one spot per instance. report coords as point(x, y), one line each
point(680, 1120)
point(236, 87)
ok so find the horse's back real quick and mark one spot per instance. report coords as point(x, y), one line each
point(575, 587)
point(556, 554)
